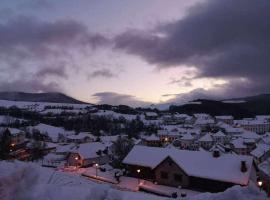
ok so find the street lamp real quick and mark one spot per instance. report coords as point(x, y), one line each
point(138, 171)
point(96, 165)
point(260, 183)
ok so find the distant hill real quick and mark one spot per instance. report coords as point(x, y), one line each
point(51, 97)
point(238, 107)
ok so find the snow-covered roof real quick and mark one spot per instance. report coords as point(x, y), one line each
point(250, 135)
point(200, 121)
point(52, 131)
point(265, 166)
point(219, 134)
point(14, 131)
point(88, 150)
point(64, 148)
point(206, 138)
point(152, 137)
point(238, 143)
point(187, 136)
point(195, 163)
point(260, 150)
point(80, 136)
point(151, 114)
point(224, 117)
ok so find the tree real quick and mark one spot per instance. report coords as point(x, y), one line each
point(5, 144)
point(122, 147)
point(37, 148)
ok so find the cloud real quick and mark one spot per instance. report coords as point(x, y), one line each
point(46, 49)
point(106, 73)
point(114, 98)
point(222, 39)
point(217, 92)
point(32, 85)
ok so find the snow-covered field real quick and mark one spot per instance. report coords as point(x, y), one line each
point(28, 181)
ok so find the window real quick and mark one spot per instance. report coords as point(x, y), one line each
point(178, 177)
point(164, 175)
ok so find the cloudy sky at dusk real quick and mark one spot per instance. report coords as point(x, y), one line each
point(136, 52)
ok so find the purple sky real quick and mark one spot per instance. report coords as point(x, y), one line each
point(136, 52)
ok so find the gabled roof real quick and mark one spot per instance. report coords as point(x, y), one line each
point(219, 134)
point(88, 150)
point(152, 137)
point(194, 163)
point(14, 131)
point(206, 138)
point(260, 150)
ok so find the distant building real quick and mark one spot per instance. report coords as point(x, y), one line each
point(228, 119)
point(206, 141)
point(151, 116)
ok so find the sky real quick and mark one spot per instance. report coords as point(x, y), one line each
point(136, 52)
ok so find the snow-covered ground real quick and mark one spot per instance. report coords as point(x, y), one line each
point(28, 181)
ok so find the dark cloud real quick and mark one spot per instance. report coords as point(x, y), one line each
point(114, 98)
point(28, 45)
point(59, 72)
point(106, 73)
point(31, 85)
point(223, 39)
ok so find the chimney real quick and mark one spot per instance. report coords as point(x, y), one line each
point(216, 153)
point(243, 166)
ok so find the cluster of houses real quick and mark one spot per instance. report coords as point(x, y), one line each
point(202, 152)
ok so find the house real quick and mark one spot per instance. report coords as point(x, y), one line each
point(242, 146)
point(258, 126)
point(227, 119)
point(17, 136)
point(151, 116)
point(189, 169)
point(80, 138)
point(206, 141)
point(152, 140)
point(220, 137)
point(261, 153)
point(87, 154)
point(186, 141)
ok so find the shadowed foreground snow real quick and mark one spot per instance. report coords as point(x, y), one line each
point(22, 181)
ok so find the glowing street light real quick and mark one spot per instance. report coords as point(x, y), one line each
point(260, 183)
point(96, 165)
point(138, 171)
point(12, 144)
point(166, 139)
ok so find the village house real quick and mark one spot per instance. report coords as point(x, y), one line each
point(80, 138)
point(17, 136)
point(258, 126)
point(151, 140)
point(151, 116)
point(261, 153)
point(186, 141)
point(220, 137)
point(242, 146)
point(227, 119)
point(87, 154)
point(206, 141)
point(199, 170)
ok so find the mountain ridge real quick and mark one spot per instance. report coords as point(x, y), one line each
point(50, 97)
